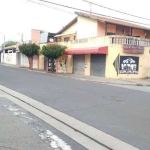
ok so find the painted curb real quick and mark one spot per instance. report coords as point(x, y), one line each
point(89, 131)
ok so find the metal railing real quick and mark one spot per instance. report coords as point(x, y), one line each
point(129, 40)
point(107, 40)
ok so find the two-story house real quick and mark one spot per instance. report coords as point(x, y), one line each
point(107, 47)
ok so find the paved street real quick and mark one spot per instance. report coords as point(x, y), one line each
point(20, 130)
point(119, 111)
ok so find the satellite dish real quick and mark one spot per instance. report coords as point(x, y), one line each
point(51, 39)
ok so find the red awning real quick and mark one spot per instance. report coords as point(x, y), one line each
point(94, 50)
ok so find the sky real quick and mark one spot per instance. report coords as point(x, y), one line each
point(20, 16)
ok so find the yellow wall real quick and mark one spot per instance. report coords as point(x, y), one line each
point(41, 64)
point(71, 36)
point(70, 64)
point(71, 29)
point(62, 64)
point(87, 64)
point(113, 52)
point(86, 28)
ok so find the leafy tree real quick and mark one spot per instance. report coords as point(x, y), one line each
point(9, 43)
point(29, 50)
point(53, 52)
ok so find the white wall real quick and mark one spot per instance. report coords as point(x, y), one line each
point(86, 28)
point(24, 60)
point(2, 57)
point(10, 58)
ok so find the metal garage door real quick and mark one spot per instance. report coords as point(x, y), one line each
point(78, 64)
point(98, 63)
point(24, 60)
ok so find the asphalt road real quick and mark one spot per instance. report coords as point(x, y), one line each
point(118, 111)
point(20, 130)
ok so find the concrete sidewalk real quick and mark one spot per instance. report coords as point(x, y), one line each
point(137, 82)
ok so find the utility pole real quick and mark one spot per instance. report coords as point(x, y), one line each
point(22, 37)
point(90, 3)
point(21, 34)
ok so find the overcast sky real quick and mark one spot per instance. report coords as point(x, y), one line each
point(20, 16)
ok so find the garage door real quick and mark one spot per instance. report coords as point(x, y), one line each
point(98, 63)
point(78, 64)
point(18, 58)
point(24, 60)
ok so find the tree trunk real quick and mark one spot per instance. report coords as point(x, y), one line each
point(30, 62)
point(47, 64)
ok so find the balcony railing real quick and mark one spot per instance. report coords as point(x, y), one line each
point(105, 41)
point(129, 40)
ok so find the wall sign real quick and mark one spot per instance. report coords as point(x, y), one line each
point(80, 41)
point(133, 49)
point(129, 65)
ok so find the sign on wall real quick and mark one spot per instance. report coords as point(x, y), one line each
point(129, 65)
point(133, 49)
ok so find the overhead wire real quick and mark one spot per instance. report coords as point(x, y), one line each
point(116, 10)
point(89, 12)
point(50, 6)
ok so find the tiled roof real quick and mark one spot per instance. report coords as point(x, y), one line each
point(111, 20)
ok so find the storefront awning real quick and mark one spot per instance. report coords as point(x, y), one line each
point(95, 50)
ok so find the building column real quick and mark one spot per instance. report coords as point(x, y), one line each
point(87, 64)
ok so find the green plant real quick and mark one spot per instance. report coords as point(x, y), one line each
point(29, 50)
point(53, 52)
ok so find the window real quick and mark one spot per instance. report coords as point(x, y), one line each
point(110, 33)
point(66, 39)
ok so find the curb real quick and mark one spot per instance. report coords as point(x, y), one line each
point(77, 78)
point(92, 133)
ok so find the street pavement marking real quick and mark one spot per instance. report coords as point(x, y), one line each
point(78, 137)
point(88, 136)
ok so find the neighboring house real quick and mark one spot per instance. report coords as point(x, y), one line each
point(101, 46)
point(12, 55)
point(8, 55)
point(41, 38)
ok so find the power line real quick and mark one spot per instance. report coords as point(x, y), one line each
point(117, 10)
point(50, 6)
point(92, 12)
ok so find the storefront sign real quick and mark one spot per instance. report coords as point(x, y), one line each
point(129, 65)
point(133, 49)
point(79, 41)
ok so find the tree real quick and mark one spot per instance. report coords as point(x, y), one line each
point(29, 50)
point(52, 52)
point(9, 43)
